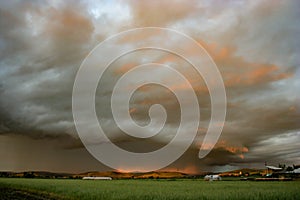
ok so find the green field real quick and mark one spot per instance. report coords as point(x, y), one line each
point(145, 189)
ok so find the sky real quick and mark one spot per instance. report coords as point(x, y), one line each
point(255, 45)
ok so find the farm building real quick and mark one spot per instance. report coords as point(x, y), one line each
point(96, 178)
point(212, 178)
point(272, 169)
point(277, 172)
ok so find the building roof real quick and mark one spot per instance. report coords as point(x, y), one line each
point(274, 168)
point(297, 170)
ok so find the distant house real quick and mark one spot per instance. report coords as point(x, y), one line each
point(212, 178)
point(278, 172)
point(96, 178)
point(272, 169)
point(296, 171)
point(296, 166)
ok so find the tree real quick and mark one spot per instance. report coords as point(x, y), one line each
point(289, 168)
point(281, 166)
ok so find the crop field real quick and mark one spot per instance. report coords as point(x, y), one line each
point(32, 189)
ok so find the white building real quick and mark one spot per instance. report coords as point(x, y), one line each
point(212, 178)
point(96, 178)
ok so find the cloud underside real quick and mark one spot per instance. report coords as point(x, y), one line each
point(254, 44)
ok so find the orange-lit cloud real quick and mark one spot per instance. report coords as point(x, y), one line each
point(236, 71)
point(160, 13)
point(237, 150)
point(126, 67)
point(68, 26)
point(132, 110)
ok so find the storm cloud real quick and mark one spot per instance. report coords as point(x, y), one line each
point(255, 45)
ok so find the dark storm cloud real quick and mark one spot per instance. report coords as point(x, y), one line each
point(255, 45)
point(43, 46)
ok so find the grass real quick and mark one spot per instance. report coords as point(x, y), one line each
point(151, 189)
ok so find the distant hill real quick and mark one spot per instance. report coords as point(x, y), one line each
point(130, 175)
point(33, 174)
point(243, 172)
point(121, 175)
point(112, 174)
